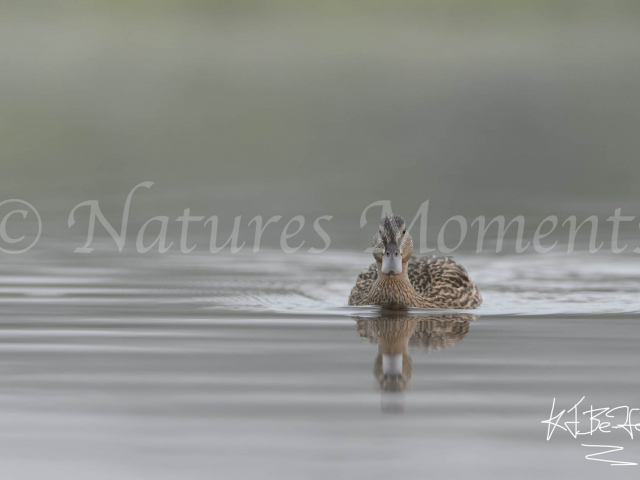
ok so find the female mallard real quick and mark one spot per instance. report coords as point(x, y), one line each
point(399, 280)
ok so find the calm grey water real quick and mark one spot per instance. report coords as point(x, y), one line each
point(252, 366)
point(122, 366)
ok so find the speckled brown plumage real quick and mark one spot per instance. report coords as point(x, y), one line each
point(428, 282)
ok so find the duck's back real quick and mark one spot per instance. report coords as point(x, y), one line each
point(441, 281)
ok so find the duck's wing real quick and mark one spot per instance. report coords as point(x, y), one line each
point(444, 282)
point(363, 284)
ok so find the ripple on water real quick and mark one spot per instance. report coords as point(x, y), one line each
point(272, 281)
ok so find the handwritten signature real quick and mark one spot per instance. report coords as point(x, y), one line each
point(599, 420)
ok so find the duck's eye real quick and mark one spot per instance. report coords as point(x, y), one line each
point(404, 231)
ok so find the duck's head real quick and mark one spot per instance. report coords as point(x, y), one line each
point(392, 245)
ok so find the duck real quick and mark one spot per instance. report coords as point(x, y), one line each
point(399, 280)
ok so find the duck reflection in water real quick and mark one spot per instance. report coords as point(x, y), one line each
point(395, 331)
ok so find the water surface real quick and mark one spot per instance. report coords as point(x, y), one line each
point(252, 366)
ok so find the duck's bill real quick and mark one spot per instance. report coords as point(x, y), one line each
point(392, 261)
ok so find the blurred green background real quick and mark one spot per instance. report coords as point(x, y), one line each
point(284, 107)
